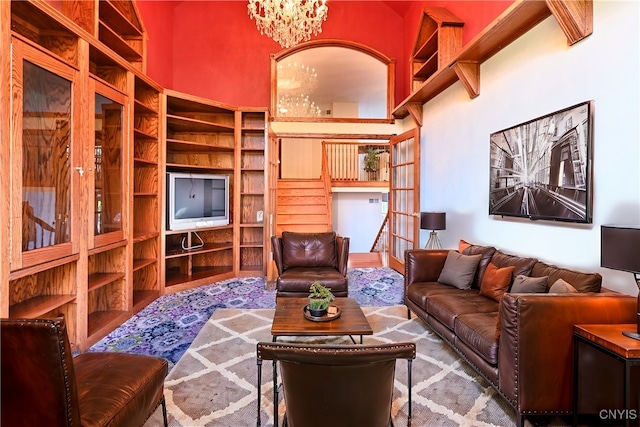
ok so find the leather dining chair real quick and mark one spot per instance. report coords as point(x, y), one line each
point(335, 385)
point(302, 258)
point(44, 385)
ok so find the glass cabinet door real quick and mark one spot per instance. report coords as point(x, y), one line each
point(108, 203)
point(43, 158)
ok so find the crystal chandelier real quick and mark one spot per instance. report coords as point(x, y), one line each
point(295, 79)
point(288, 22)
point(297, 106)
point(295, 84)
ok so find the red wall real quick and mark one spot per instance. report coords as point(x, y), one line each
point(157, 17)
point(214, 50)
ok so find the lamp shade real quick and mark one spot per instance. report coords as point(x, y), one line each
point(620, 247)
point(433, 220)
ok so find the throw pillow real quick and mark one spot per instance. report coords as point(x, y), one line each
point(462, 245)
point(486, 252)
point(562, 287)
point(529, 285)
point(459, 270)
point(496, 281)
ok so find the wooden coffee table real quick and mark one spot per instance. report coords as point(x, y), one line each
point(289, 320)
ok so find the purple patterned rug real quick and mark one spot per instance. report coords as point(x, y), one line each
point(167, 326)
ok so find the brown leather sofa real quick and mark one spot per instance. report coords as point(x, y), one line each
point(302, 258)
point(523, 344)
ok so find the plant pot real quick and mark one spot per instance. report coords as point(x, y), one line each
point(316, 312)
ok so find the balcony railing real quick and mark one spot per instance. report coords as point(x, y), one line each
point(356, 163)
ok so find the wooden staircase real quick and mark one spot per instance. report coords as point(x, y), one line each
point(303, 205)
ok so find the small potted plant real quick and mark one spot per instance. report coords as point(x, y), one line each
point(371, 160)
point(319, 299)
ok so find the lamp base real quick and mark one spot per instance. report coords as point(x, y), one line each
point(631, 334)
point(634, 334)
point(433, 242)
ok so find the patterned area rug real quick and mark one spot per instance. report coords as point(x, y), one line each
point(214, 383)
point(166, 327)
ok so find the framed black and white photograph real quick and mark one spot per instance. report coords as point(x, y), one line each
point(541, 169)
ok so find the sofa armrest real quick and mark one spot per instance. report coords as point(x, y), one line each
point(342, 248)
point(276, 247)
point(535, 359)
point(423, 265)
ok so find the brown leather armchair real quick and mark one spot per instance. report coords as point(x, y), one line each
point(349, 385)
point(302, 258)
point(44, 385)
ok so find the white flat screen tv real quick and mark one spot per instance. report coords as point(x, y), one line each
point(197, 200)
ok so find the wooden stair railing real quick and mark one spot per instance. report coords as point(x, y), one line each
point(381, 240)
point(326, 179)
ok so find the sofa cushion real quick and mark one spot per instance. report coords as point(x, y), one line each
point(459, 270)
point(420, 292)
point(562, 287)
point(529, 285)
point(446, 307)
point(583, 282)
point(521, 265)
point(486, 252)
point(299, 280)
point(478, 331)
point(309, 250)
point(496, 281)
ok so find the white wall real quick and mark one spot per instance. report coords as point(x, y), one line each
point(536, 75)
point(355, 217)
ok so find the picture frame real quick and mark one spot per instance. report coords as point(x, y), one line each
point(542, 169)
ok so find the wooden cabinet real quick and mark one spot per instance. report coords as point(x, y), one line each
point(118, 26)
point(86, 141)
point(148, 190)
point(439, 40)
point(107, 291)
point(107, 285)
point(606, 374)
point(252, 199)
point(45, 226)
point(85, 194)
point(200, 138)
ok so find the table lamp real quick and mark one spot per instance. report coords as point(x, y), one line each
point(433, 221)
point(620, 250)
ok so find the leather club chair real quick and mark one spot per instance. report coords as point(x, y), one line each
point(338, 386)
point(44, 385)
point(302, 258)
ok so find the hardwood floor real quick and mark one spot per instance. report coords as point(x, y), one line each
point(366, 260)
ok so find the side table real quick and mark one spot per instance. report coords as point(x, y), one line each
point(606, 380)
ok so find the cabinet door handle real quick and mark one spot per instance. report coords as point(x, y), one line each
point(80, 170)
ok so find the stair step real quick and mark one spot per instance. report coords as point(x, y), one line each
point(297, 200)
point(315, 183)
point(303, 228)
point(302, 219)
point(301, 192)
point(297, 209)
point(302, 206)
